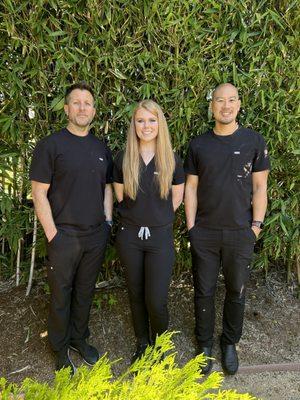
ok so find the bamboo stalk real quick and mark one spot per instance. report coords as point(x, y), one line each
point(18, 262)
point(14, 182)
point(32, 256)
point(20, 195)
point(3, 220)
point(298, 273)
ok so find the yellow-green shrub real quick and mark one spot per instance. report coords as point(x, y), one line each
point(151, 378)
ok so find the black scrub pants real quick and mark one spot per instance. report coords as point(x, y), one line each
point(74, 264)
point(148, 269)
point(233, 249)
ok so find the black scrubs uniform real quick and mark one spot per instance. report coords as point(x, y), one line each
point(222, 234)
point(148, 262)
point(77, 169)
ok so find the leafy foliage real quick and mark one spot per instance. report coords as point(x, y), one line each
point(149, 378)
point(175, 53)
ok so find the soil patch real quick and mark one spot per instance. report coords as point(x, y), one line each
point(271, 332)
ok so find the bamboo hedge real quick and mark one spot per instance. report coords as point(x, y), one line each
point(174, 52)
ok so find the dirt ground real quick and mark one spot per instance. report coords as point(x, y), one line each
point(271, 332)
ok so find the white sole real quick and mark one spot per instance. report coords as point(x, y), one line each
point(73, 365)
point(77, 351)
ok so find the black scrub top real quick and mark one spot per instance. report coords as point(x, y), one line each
point(224, 165)
point(77, 169)
point(148, 209)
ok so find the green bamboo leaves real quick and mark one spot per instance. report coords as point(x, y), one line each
point(174, 52)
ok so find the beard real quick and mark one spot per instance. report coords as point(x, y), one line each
point(81, 122)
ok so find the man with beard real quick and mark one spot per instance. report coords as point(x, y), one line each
point(71, 174)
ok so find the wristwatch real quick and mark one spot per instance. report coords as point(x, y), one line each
point(258, 224)
point(109, 222)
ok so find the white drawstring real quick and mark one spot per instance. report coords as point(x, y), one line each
point(144, 231)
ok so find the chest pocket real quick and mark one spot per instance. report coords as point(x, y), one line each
point(99, 165)
point(242, 161)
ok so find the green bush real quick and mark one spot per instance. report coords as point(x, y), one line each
point(149, 378)
point(175, 53)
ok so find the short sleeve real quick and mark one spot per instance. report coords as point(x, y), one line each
point(42, 164)
point(110, 166)
point(178, 176)
point(190, 163)
point(118, 168)
point(261, 161)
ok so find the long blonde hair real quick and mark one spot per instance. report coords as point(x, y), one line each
point(164, 156)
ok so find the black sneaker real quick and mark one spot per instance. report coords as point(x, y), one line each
point(89, 353)
point(138, 354)
point(63, 360)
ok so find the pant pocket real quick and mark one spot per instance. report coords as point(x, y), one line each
point(252, 234)
point(191, 231)
point(54, 239)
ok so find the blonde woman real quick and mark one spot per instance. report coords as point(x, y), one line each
point(149, 185)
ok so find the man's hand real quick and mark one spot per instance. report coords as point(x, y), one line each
point(190, 200)
point(50, 235)
point(43, 209)
point(256, 230)
point(259, 198)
